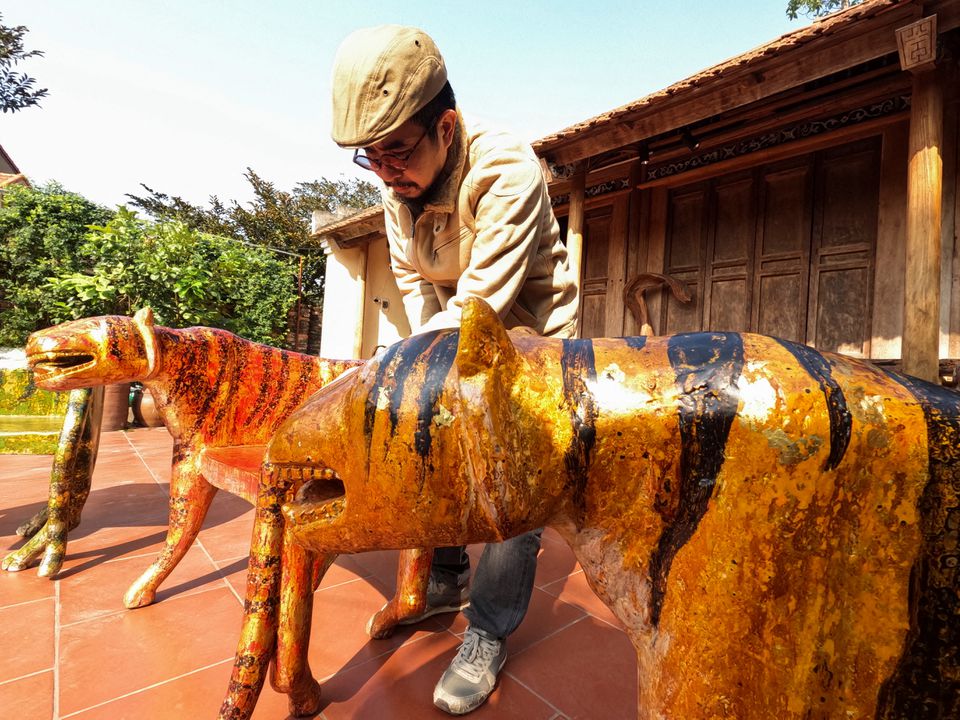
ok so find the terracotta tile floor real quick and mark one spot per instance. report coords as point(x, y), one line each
point(71, 650)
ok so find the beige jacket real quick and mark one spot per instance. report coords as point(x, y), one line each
point(488, 231)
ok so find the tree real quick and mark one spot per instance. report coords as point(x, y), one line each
point(817, 8)
point(187, 276)
point(16, 89)
point(41, 230)
point(275, 218)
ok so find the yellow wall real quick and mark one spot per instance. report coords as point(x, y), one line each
point(384, 321)
point(362, 307)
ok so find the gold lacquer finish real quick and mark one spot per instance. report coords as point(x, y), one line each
point(213, 390)
point(776, 528)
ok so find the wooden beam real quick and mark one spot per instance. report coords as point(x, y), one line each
point(921, 322)
point(888, 88)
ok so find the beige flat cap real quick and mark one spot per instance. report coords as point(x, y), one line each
point(381, 77)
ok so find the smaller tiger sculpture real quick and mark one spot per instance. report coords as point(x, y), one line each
point(213, 389)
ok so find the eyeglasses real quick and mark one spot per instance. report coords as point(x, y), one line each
point(391, 161)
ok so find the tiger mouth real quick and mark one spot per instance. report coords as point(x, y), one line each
point(51, 365)
point(319, 501)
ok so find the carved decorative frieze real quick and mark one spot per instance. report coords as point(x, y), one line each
point(604, 188)
point(780, 137)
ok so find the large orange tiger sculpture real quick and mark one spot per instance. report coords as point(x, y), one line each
point(776, 528)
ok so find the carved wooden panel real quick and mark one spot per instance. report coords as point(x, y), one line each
point(917, 44)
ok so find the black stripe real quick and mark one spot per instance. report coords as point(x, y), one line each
point(411, 351)
point(578, 366)
point(235, 360)
point(925, 683)
point(263, 354)
point(439, 363)
point(636, 342)
point(307, 375)
point(707, 367)
point(370, 411)
point(115, 327)
point(840, 419)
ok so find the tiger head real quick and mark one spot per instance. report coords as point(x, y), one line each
point(420, 443)
point(94, 351)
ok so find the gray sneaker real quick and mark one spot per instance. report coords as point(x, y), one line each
point(472, 675)
point(443, 597)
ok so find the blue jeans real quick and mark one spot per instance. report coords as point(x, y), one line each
point(502, 584)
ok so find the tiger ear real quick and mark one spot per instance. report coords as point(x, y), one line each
point(144, 317)
point(143, 321)
point(484, 343)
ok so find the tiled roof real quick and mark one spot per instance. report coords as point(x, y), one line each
point(13, 179)
point(359, 216)
point(821, 28)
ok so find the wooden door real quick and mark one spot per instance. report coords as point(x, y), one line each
point(728, 272)
point(785, 249)
point(686, 248)
point(603, 268)
point(843, 248)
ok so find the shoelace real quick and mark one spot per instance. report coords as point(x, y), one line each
point(475, 656)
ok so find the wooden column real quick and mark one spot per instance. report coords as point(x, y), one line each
point(636, 240)
point(361, 289)
point(575, 222)
point(921, 318)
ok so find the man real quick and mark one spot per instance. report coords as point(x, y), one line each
point(467, 214)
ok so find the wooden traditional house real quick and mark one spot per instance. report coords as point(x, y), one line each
point(806, 189)
point(9, 172)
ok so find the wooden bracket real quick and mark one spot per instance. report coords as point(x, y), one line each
point(917, 45)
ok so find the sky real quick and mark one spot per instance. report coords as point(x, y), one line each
point(184, 95)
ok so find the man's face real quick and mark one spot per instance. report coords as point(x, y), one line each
point(419, 152)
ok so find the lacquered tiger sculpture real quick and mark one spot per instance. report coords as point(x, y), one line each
point(776, 528)
point(212, 388)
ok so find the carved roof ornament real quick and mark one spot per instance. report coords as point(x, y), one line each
point(561, 171)
point(917, 45)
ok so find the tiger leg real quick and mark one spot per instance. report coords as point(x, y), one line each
point(410, 598)
point(258, 636)
point(190, 498)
